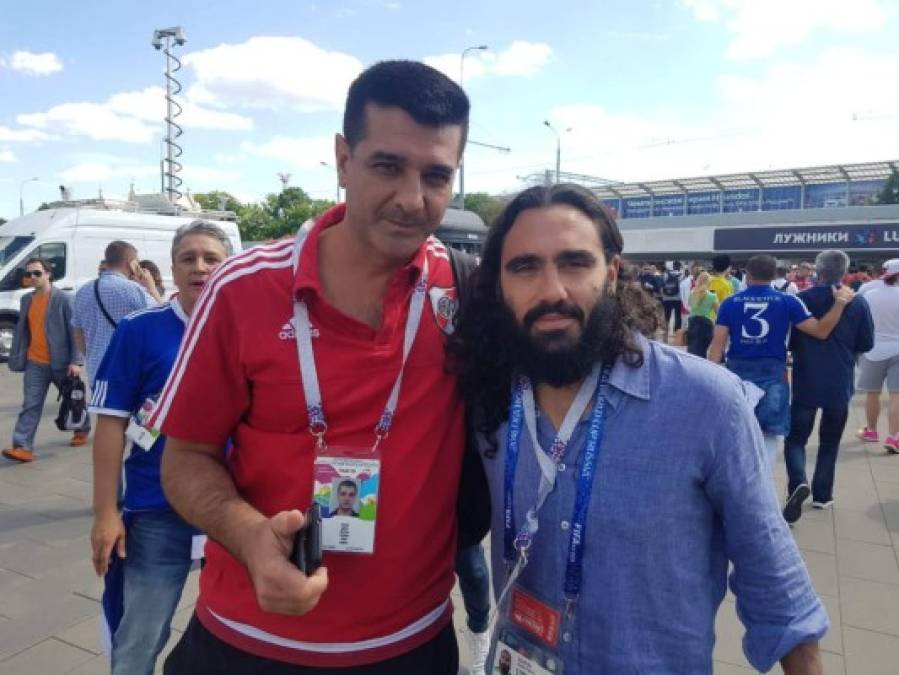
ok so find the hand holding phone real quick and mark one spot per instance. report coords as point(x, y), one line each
point(307, 545)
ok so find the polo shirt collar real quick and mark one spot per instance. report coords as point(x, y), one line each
point(178, 310)
point(629, 380)
point(114, 273)
point(307, 278)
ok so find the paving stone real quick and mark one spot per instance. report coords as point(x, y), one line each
point(822, 568)
point(50, 656)
point(25, 632)
point(815, 535)
point(833, 639)
point(99, 665)
point(84, 635)
point(869, 605)
point(869, 527)
point(873, 562)
point(869, 653)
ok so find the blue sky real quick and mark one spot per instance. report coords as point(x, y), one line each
point(649, 89)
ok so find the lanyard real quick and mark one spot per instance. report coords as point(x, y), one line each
point(523, 412)
point(314, 406)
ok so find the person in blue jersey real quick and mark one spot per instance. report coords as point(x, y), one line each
point(823, 372)
point(617, 509)
point(757, 324)
point(145, 551)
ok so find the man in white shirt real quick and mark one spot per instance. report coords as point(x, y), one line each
point(882, 363)
point(782, 284)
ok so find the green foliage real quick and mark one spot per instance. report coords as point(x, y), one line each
point(890, 192)
point(486, 206)
point(2, 220)
point(278, 215)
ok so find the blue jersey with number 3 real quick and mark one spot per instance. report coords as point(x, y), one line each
point(759, 320)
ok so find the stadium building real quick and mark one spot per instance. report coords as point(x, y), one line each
point(791, 214)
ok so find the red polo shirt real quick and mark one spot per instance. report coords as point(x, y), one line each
point(237, 376)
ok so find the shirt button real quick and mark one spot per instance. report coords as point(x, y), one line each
point(565, 525)
point(566, 636)
point(561, 466)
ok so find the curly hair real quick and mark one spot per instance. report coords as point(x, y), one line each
point(479, 351)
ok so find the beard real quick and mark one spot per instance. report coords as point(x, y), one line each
point(559, 358)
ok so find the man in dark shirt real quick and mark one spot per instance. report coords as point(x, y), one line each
point(823, 378)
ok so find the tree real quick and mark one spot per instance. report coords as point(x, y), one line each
point(211, 201)
point(2, 221)
point(486, 206)
point(890, 192)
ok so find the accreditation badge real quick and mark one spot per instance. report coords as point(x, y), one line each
point(346, 483)
point(137, 431)
point(527, 637)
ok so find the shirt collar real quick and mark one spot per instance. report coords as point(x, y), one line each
point(307, 277)
point(113, 273)
point(178, 310)
point(630, 380)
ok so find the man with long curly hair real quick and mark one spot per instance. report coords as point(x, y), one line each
point(625, 475)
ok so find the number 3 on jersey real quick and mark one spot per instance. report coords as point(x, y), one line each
point(763, 325)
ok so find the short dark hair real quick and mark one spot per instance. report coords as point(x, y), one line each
point(43, 262)
point(720, 263)
point(426, 94)
point(761, 267)
point(118, 252)
point(348, 483)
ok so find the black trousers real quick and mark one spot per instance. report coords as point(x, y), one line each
point(699, 335)
point(199, 652)
point(672, 307)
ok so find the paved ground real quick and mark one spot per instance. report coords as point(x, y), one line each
point(49, 594)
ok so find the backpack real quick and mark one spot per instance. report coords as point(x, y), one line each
point(473, 502)
point(73, 409)
point(671, 287)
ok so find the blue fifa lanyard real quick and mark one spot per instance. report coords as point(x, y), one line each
point(517, 543)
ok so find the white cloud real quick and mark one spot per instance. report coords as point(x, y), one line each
point(132, 117)
point(519, 59)
point(393, 5)
point(303, 153)
point(759, 27)
point(757, 123)
point(31, 63)
point(23, 135)
point(7, 156)
point(272, 72)
point(98, 172)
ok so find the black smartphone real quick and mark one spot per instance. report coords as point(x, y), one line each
point(307, 544)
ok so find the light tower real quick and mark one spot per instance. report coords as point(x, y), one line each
point(163, 39)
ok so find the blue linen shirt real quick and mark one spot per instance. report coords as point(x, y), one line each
point(120, 297)
point(682, 488)
point(824, 370)
point(135, 367)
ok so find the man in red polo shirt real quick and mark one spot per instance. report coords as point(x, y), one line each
point(321, 358)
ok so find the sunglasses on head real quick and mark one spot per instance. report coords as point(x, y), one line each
point(34, 273)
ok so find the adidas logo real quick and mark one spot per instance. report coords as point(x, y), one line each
point(288, 333)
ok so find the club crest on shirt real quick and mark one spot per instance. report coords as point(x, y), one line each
point(445, 303)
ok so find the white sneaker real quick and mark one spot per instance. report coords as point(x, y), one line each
point(821, 506)
point(478, 648)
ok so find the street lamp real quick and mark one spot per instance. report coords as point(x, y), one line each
point(558, 147)
point(21, 188)
point(462, 159)
point(323, 163)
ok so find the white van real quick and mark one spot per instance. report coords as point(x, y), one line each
point(73, 237)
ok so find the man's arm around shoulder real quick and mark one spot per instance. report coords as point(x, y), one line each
point(822, 328)
point(199, 487)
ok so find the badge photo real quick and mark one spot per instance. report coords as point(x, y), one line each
point(514, 655)
point(346, 490)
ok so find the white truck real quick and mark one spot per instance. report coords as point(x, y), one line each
point(73, 235)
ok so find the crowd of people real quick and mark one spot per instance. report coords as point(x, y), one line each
point(451, 402)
